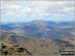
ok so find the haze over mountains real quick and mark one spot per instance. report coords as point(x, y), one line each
point(40, 29)
point(39, 37)
point(36, 28)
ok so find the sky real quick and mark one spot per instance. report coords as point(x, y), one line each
point(25, 11)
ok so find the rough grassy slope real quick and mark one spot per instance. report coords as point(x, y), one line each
point(41, 45)
point(13, 49)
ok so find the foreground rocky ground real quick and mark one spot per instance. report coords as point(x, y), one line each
point(13, 49)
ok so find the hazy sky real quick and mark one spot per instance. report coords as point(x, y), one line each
point(18, 11)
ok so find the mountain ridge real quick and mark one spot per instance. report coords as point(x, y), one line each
point(39, 29)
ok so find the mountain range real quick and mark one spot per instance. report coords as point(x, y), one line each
point(40, 29)
point(39, 37)
point(39, 46)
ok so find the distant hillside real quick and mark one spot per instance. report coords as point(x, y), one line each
point(40, 29)
point(41, 45)
point(5, 27)
point(47, 29)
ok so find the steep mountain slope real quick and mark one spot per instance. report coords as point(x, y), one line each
point(41, 45)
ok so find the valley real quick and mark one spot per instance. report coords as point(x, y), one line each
point(39, 37)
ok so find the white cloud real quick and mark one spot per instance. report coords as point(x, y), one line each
point(12, 14)
point(9, 13)
point(41, 8)
point(52, 7)
point(27, 9)
point(68, 9)
point(13, 7)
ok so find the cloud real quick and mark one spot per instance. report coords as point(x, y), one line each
point(27, 9)
point(10, 7)
point(41, 8)
point(67, 10)
point(13, 7)
point(10, 13)
point(52, 7)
